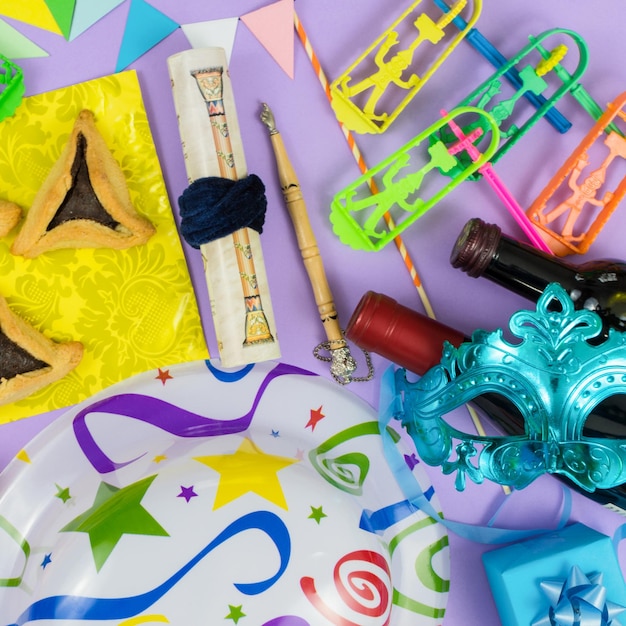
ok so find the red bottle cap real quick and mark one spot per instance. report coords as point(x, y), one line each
point(409, 339)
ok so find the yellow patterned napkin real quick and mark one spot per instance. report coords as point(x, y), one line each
point(133, 310)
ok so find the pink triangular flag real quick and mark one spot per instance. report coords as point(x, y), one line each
point(273, 27)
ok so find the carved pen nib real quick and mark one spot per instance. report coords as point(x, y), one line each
point(267, 117)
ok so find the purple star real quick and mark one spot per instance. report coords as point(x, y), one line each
point(187, 493)
point(411, 460)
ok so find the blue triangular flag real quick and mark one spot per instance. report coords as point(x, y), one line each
point(145, 27)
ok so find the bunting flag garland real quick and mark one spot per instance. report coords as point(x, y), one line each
point(272, 25)
point(145, 28)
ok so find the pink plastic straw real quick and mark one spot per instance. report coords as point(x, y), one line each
point(498, 186)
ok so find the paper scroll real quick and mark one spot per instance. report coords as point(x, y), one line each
point(234, 266)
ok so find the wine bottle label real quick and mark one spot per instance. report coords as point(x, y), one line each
point(616, 509)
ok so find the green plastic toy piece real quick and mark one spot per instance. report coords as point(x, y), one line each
point(11, 87)
point(389, 197)
point(582, 96)
point(533, 76)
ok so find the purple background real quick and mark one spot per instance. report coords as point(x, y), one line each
point(339, 31)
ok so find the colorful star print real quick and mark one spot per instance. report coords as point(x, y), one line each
point(275, 433)
point(163, 376)
point(316, 416)
point(159, 458)
point(317, 513)
point(235, 613)
point(47, 559)
point(63, 493)
point(115, 512)
point(187, 493)
point(248, 470)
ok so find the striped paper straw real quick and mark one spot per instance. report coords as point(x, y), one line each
point(358, 157)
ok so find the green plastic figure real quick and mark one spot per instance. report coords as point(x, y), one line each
point(388, 198)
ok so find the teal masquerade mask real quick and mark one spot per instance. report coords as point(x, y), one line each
point(555, 375)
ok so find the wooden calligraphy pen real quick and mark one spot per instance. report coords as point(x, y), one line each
point(342, 363)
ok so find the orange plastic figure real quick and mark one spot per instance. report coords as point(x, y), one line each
point(574, 206)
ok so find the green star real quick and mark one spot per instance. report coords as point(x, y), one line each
point(317, 514)
point(115, 512)
point(235, 613)
point(63, 493)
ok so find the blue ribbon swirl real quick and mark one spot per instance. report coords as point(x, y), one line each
point(68, 607)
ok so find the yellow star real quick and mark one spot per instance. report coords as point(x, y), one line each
point(248, 470)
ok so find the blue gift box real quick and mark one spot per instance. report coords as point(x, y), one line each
point(516, 572)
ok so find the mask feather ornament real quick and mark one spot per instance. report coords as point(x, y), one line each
point(562, 367)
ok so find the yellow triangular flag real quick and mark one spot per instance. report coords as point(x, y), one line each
point(34, 12)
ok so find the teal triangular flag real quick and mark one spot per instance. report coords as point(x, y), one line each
point(88, 12)
point(145, 27)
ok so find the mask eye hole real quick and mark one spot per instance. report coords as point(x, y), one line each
point(607, 418)
point(510, 418)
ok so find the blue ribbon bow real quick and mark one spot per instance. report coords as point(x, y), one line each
point(578, 601)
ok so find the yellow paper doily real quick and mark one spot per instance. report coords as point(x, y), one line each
point(133, 309)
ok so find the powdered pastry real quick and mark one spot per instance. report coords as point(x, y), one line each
point(84, 201)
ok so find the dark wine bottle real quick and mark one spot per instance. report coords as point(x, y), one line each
point(482, 249)
point(414, 341)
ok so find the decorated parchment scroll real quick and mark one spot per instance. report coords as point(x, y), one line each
point(234, 265)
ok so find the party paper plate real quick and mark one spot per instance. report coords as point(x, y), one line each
point(193, 495)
